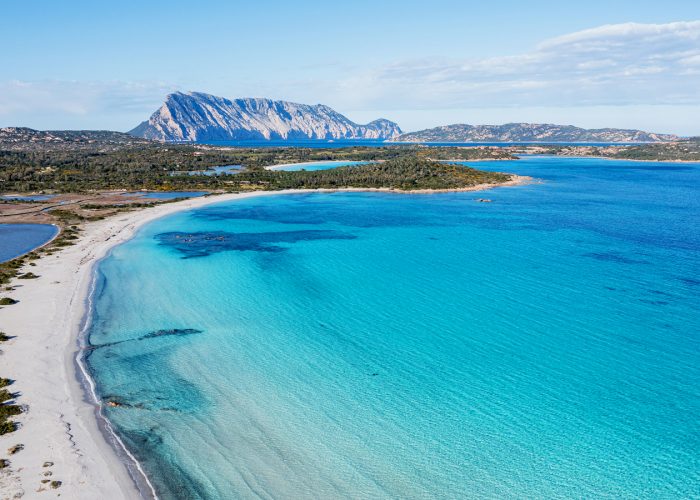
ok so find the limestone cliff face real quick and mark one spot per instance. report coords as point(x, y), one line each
point(531, 132)
point(195, 116)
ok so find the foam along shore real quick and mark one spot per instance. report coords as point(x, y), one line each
point(63, 425)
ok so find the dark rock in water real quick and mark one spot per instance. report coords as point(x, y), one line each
point(206, 243)
point(119, 402)
point(690, 281)
point(654, 302)
point(614, 257)
point(178, 332)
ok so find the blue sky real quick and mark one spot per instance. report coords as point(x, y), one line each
point(108, 65)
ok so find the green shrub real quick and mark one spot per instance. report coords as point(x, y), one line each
point(7, 426)
point(6, 395)
point(9, 411)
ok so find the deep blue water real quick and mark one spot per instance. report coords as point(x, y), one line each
point(374, 143)
point(166, 195)
point(376, 345)
point(18, 239)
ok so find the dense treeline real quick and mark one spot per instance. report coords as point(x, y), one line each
point(406, 173)
point(678, 151)
point(688, 150)
point(155, 166)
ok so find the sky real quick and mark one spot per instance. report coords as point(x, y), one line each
point(108, 65)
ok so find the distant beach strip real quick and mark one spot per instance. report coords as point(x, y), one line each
point(316, 165)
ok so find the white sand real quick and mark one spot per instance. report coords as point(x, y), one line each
point(60, 424)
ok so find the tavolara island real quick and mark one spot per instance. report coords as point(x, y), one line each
point(195, 116)
point(531, 132)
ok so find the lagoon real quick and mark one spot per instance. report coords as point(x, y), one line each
point(316, 165)
point(18, 239)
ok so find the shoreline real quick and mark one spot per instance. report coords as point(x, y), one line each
point(63, 423)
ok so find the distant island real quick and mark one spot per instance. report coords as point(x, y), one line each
point(200, 117)
point(530, 132)
point(195, 116)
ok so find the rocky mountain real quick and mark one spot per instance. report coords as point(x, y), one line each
point(530, 132)
point(195, 116)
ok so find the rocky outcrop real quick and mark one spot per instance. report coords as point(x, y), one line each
point(195, 116)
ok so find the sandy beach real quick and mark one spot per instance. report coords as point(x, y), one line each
point(59, 426)
point(62, 438)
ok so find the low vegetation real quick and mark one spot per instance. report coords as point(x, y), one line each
point(404, 173)
point(688, 150)
point(8, 410)
point(116, 163)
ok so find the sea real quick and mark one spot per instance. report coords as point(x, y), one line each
point(542, 344)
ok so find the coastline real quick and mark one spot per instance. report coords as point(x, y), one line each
point(63, 424)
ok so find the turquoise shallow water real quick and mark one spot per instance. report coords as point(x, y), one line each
point(320, 165)
point(369, 345)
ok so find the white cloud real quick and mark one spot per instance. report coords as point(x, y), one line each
point(622, 64)
point(73, 104)
point(647, 66)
